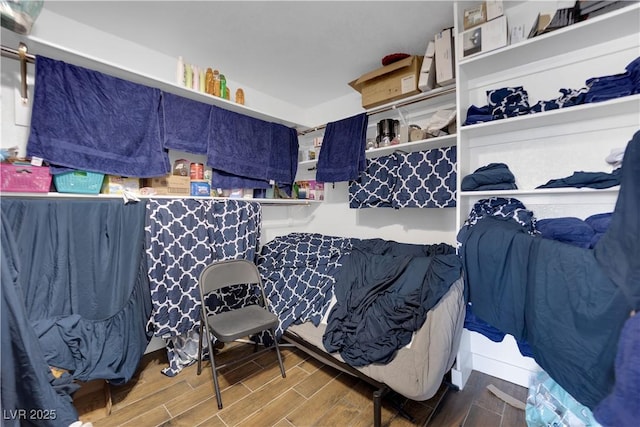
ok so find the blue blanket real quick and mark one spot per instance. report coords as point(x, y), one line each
point(375, 186)
point(342, 155)
point(554, 296)
point(298, 271)
point(84, 281)
point(426, 179)
point(29, 394)
point(422, 179)
point(580, 179)
point(86, 120)
point(384, 290)
point(182, 238)
point(621, 408)
point(618, 251)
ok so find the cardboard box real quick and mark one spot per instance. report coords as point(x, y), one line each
point(390, 83)
point(427, 79)
point(113, 184)
point(488, 36)
point(444, 48)
point(169, 185)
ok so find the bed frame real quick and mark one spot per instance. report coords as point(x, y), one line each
point(382, 389)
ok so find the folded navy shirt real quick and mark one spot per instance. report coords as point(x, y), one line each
point(598, 180)
point(494, 176)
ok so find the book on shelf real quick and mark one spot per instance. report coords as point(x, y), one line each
point(595, 8)
point(545, 23)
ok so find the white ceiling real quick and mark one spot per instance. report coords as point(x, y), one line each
point(303, 52)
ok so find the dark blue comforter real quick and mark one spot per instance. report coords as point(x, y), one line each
point(84, 280)
point(384, 290)
point(568, 303)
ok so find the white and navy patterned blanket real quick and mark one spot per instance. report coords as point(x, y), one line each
point(182, 238)
point(422, 179)
point(298, 271)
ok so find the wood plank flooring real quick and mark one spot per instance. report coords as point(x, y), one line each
point(255, 395)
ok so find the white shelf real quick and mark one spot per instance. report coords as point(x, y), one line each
point(540, 191)
point(419, 101)
point(610, 26)
point(54, 195)
point(562, 116)
point(442, 97)
point(39, 46)
point(421, 145)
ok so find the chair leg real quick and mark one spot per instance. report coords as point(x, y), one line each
point(214, 371)
point(200, 348)
point(275, 342)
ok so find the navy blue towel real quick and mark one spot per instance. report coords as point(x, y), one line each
point(342, 155)
point(283, 158)
point(186, 124)
point(251, 148)
point(86, 120)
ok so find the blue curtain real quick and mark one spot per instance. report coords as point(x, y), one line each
point(83, 276)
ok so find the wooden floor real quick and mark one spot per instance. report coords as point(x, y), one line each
point(254, 394)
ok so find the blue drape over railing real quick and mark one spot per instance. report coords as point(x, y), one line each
point(83, 275)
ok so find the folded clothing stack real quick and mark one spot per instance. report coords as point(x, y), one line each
point(494, 176)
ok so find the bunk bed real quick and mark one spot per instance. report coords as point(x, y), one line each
point(388, 313)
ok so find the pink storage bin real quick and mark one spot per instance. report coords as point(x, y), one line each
point(24, 178)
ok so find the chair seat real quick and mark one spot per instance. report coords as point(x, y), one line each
point(242, 322)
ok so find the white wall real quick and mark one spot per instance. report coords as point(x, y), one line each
point(334, 217)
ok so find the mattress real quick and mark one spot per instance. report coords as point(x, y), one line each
point(417, 370)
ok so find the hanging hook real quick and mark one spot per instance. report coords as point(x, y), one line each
point(22, 52)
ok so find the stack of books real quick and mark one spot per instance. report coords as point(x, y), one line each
point(588, 8)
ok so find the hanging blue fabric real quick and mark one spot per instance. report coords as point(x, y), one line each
point(86, 120)
point(245, 149)
point(186, 124)
point(342, 155)
point(84, 280)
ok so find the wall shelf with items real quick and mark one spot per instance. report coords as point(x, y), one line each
point(550, 202)
point(539, 147)
point(420, 145)
point(416, 109)
point(612, 109)
point(617, 24)
point(37, 46)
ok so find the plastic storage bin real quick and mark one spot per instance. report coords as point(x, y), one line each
point(24, 178)
point(79, 182)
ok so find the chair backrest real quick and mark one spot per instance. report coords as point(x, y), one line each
point(221, 274)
